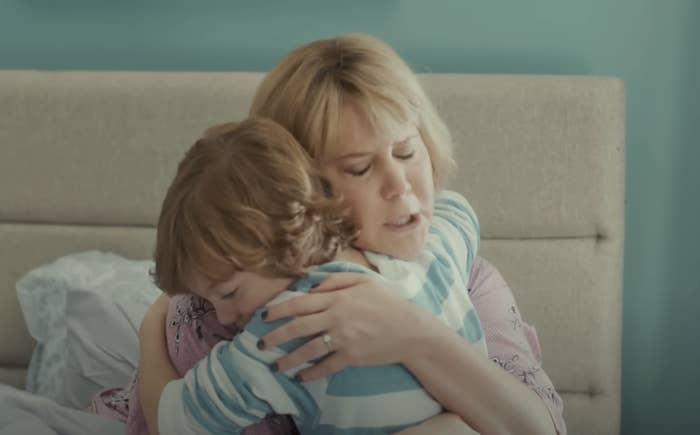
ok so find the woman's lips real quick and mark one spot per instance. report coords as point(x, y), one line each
point(412, 222)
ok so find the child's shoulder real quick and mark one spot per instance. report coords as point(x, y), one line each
point(318, 273)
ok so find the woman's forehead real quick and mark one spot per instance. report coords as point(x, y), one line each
point(358, 133)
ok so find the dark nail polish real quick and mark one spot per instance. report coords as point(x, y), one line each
point(264, 315)
point(261, 344)
point(316, 285)
point(297, 378)
point(274, 367)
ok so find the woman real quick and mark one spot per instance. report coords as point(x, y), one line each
point(348, 100)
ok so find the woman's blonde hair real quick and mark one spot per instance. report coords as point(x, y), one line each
point(308, 89)
point(248, 197)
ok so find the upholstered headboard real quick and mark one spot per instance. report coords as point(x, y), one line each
point(85, 158)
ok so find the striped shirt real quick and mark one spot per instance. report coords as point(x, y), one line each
point(233, 386)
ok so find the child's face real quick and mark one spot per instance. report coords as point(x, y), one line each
point(236, 299)
point(387, 183)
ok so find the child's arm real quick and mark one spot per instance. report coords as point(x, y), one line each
point(155, 368)
point(232, 388)
point(157, 371)
point(228, 391)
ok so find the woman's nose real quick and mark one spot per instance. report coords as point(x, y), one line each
point(395, 181)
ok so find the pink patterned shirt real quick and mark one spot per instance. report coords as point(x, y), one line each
point(511, 342)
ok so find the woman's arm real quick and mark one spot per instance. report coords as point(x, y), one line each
point(512, 343)
point(483, 394)
point(370, 326)
point(446, 423)
point(155, 368)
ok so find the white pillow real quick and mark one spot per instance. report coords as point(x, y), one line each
point(84, 311)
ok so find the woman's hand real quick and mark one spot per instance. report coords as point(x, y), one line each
point(367, 325)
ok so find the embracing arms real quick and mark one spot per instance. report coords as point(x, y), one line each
point(156, 371)
point(365, 332)
point(398, 330)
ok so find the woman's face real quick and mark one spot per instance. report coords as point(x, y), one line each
point(386, 181)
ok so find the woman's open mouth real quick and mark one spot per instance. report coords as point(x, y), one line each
point(406, 222)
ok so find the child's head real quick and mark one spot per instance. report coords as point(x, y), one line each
point(246, 197)
point(326, 76)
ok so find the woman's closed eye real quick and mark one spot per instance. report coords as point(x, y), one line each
point(358, 172)
point(405, 149)
point(405, 155)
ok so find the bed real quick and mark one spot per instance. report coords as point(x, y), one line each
point(85, 158)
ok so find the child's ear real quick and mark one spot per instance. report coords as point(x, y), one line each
point(219, 129)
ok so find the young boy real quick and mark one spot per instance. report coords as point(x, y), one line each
point(247, 223)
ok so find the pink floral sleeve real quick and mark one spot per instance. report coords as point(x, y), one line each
point(511, 342)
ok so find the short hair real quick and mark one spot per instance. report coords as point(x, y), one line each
point(246, 196)
point(307, 90)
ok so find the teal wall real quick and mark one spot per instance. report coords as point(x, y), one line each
point(653, 45)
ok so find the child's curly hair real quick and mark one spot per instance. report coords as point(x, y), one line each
point(246, 196)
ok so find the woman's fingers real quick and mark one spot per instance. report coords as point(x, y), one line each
point(311, 350)
point(333, 363)
point(317, 301)
point(298, 328)
point(370, 326)
point(298, 306)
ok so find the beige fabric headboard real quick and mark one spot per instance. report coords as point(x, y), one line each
point(85, 158)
